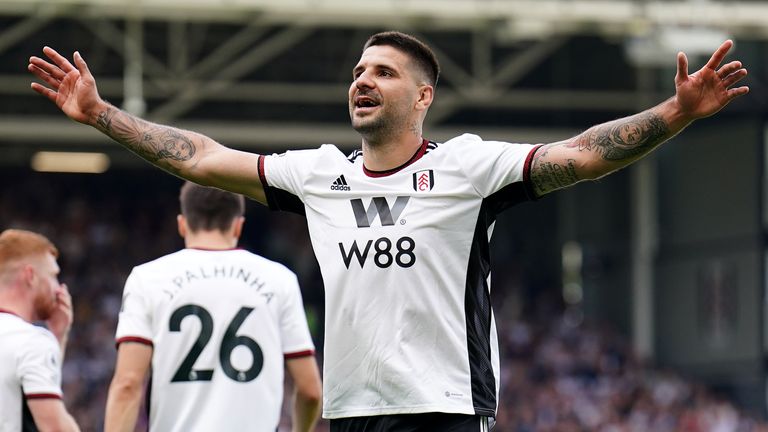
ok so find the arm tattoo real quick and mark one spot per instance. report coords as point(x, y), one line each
point(104, 119)
point(618, 142)
point(160, 145)
point(624, 139)
point(548, 176)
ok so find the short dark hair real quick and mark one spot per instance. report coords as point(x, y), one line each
point(422, 54)
point(209, 209)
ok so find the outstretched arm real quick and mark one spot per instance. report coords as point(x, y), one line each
point(183, 153)
point(608, 147)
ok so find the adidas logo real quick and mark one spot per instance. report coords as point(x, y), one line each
point(340, 184)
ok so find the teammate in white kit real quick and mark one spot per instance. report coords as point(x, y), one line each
point(401, 228)
point(31, 356)
point(216, 324)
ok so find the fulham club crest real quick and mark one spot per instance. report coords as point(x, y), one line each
point(423, 181)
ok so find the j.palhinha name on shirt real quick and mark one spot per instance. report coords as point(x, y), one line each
point(191, 275)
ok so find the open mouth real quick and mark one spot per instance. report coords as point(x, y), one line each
point(365, 103)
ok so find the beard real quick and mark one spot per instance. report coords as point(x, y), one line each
point(372, 128)
point(378, 127)
point(44, 306)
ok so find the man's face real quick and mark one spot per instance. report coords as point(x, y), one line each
point(384, 91)
point(46, 286)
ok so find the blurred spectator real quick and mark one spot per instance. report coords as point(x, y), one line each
point(563, 376)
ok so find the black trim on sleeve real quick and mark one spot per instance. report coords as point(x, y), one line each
point(278, 199)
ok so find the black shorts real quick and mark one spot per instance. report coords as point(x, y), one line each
point(428, 422)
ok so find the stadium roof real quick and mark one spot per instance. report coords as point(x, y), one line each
point(272, 75)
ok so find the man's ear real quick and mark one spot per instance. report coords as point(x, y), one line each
point(28, 274)
point(181, 224)
point(426, 96)
point(237, 226)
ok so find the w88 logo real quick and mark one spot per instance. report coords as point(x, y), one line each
point(385, 252)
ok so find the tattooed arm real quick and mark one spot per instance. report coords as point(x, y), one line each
point(183, 153)
point(605, 148)
point(598, 151)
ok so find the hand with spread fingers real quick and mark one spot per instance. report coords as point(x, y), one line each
point(71, 87)
point(708, 90)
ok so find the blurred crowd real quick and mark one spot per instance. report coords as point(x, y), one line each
point(563, 374)
point(560, 373)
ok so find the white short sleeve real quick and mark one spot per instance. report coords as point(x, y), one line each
point(135, 319)
point(492, 165)
point(288, 171)
point(293, 322)
point(40, 366)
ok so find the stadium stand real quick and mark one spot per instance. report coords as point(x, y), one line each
point(560, 372)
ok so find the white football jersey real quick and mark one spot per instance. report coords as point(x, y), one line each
point(30, 368)
point(405, 261)
point(221, 324)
